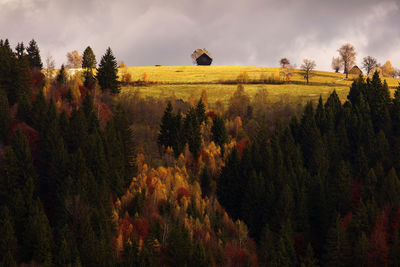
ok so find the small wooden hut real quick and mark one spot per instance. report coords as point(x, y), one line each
point(202, 57)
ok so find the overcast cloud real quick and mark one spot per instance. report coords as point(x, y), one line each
point(257, 32)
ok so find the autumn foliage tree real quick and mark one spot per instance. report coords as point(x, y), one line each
point(74, 60)
point(347, 53)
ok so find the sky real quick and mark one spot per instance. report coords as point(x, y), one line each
point(245, 32)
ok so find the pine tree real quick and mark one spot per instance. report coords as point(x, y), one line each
point(179, 246)
point(191, 127)
point(230, 187)
point(177, 135)
point(219, 133)
point(266, 249)
point(34, 55)
point(309, 259)
point(107, 73)
point(8, 71)
point(36, 242)
point(394, 257)
point(5, 119)
point(165, 135)
point(62, 76)
point(88, 58)
point(200, 258)
point(88, 63)
point(253, 205)
point(205, 182)
point(38, 114)
point(24, 107)
point(201, 112)
point(337, 246)
point(8, 241)
point(360, 252)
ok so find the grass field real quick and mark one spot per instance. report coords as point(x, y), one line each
point(187, 81)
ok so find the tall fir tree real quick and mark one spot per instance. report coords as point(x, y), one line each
point(5, 118)
point(107, 73)
point(89, 63)
point(34, 55)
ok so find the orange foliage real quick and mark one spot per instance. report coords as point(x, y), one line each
point(183, 192)
point(141, 228)
point(171, 187)
point(242, 145)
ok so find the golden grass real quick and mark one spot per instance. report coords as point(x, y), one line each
point(187, 81)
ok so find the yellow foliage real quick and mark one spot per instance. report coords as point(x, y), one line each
point(387, 69)
point(145, 77)
point(243, 77)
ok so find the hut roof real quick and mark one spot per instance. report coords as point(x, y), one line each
point(355, 70)
point(199, 52)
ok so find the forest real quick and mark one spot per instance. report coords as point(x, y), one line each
point(92, 178)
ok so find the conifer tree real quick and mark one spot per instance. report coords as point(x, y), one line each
point(229, 188)
point(267, 248)
point(219, 133)
point(360, 252)
point(337, 246)
point(191, 126)
point(8, 241)
point(309, 259)
point(89, 63)
point(205, 182)
point(177, 135)
point(107, 73)
point(88, 59)
point(165, 135)
point(201, 112)
point(34, 55)
point(62, 76)
point(5, 119)
point(36, 242)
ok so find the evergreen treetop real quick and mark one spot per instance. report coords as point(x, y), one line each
point(107, 73)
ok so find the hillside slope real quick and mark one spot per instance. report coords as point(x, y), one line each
point(220, 81)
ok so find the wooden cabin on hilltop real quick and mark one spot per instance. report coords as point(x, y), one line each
point(201, 57)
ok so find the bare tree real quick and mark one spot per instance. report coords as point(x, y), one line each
point(50, 66)
point(337, 64)
point(284, 62)
point(369, 63)
point(307, 68)
point(348, 54)
point(397, 72)
point(74, 59)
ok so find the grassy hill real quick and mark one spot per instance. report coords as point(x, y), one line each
point(221, 81)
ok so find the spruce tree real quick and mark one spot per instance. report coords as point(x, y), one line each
point(62, 76)
point(309, 259)
point(89, 63)
point(107, 73)
point(5, 119)
point(34, 55)
point(201, 112)
point(36, 242)
point(177, 135)
point(191, 127)
point(219, 133)
point(8, 241)
point(88, 59)
point(205, 182)
point(165, 135)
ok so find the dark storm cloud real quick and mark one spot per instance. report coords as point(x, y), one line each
point(236, 32)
